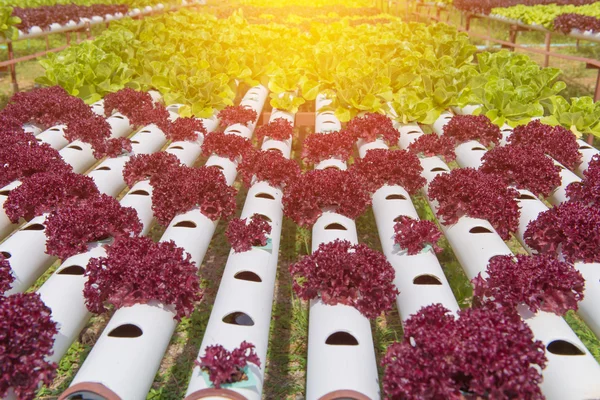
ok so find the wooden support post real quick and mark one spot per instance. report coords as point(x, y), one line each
point(547, 42)
point(12, 67)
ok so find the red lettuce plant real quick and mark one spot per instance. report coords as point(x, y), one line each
point(138, 107)
point(270, 167)
point(21, 156)
point(243, 234)
point(588, 190)
point(321, 146)
point(186, 129)
point(112, 147)
point(434, 145)
point(467, 191)
point(144, 166)
point(343, 192)
point(444, 358)
point(373, 126)
point(390, 167)
point(278, 129)
point(556, 141)
point(571, 229)
point(525, 167)
point(70, 228)
point(232, 115)
point(228, 145)
point(180, 189)
point(541, 282)
point(225, 366)
point(45, 191)
point(342, 273)
point(26, 338)
point(414, 235)
point(96, 131)
point(473, 127)
point(137, 270)
point(6, 276)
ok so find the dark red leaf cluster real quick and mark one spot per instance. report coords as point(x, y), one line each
point(588, 190)
point(541, 282)
point(44, 16)
point(342, 273)
point(112, 147)
point(381, 167)
point(6, 276)
point(413, 235)
point(565, 23)
point(186, 129)
point(486, 6)
point(243, 234)
point(45, 191)
point(26, 339)
point(137, 270)
point(180, 189)
point(268, 166)
point(70, 228)
point(278, 129)
point(571, 229)
point(556, 141)
point(434, 145)
point(141, 167)
point(22, 156)
point(467, 191)
point(94, 129)
point(473, 127)
point(138, 107)
point(232, 115)
point(344, 192)
point(225, 366)
point(484, 353)
point(228, 145)
point(322, 146)
point(525, 167)
point(373, 126)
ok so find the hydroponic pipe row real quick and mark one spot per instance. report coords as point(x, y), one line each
point(122, 365)
point(337, 370)
point(419, 278)
point(26, 247)
point(474, 242)
point(247, 285)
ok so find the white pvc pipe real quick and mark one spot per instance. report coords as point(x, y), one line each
point(6, 226)
point(587, 152)
point(475, 242)
point(126, 367)
point(253, 298)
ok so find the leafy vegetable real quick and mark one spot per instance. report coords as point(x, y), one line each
point(137, 271)
point(6, 276)
point(371, 127)
point(588, 190)
point(8, 23)
point(225, 366)
point(473, 127)
point(228, 145)
point(270, 167)
point(232, 115)
point(279, 129)
point(186, 129)
point(433, 145)
point(322, 146)
point(580, 116)
point(415, 235)
point(342, 273)
point(144, 166)
point(245, 233)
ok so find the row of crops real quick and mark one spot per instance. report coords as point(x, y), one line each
point(155, 121)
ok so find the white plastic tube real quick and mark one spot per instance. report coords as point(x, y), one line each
point(587, 152)
point(124, 368)
point(247, 286)
point(6, 226)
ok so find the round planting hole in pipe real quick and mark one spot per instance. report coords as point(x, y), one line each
point(72, 270)
point(34, 227)
point(264, 196)
point(395, 197)
point(135, 142)
point(4, 192)
point(54, 130)
point(427, 280)
point(213, 393)
point(176, 148)
point(275, 149)
point(263, 217)
point(479, 229)
point(564, 348)
point(140, 193)
point(6, 254)
point(103, 169)
point(88, 391)
point(238, 318)
point(585, 147)
point(185, 224)
point(75, 148)
point(524, 196)
point(145, 131)
point(448, 117)
point(413, 132)
point(341, 339)
point(335, 226)
point(479, 148)
point(439, 169)
point(234, 131)
point(126, 331)
point(218, 167)
point(247, 276)
point(329, 122)
point(332, 167)
point(118, 117)
point(344, 395)
point(38, 139)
